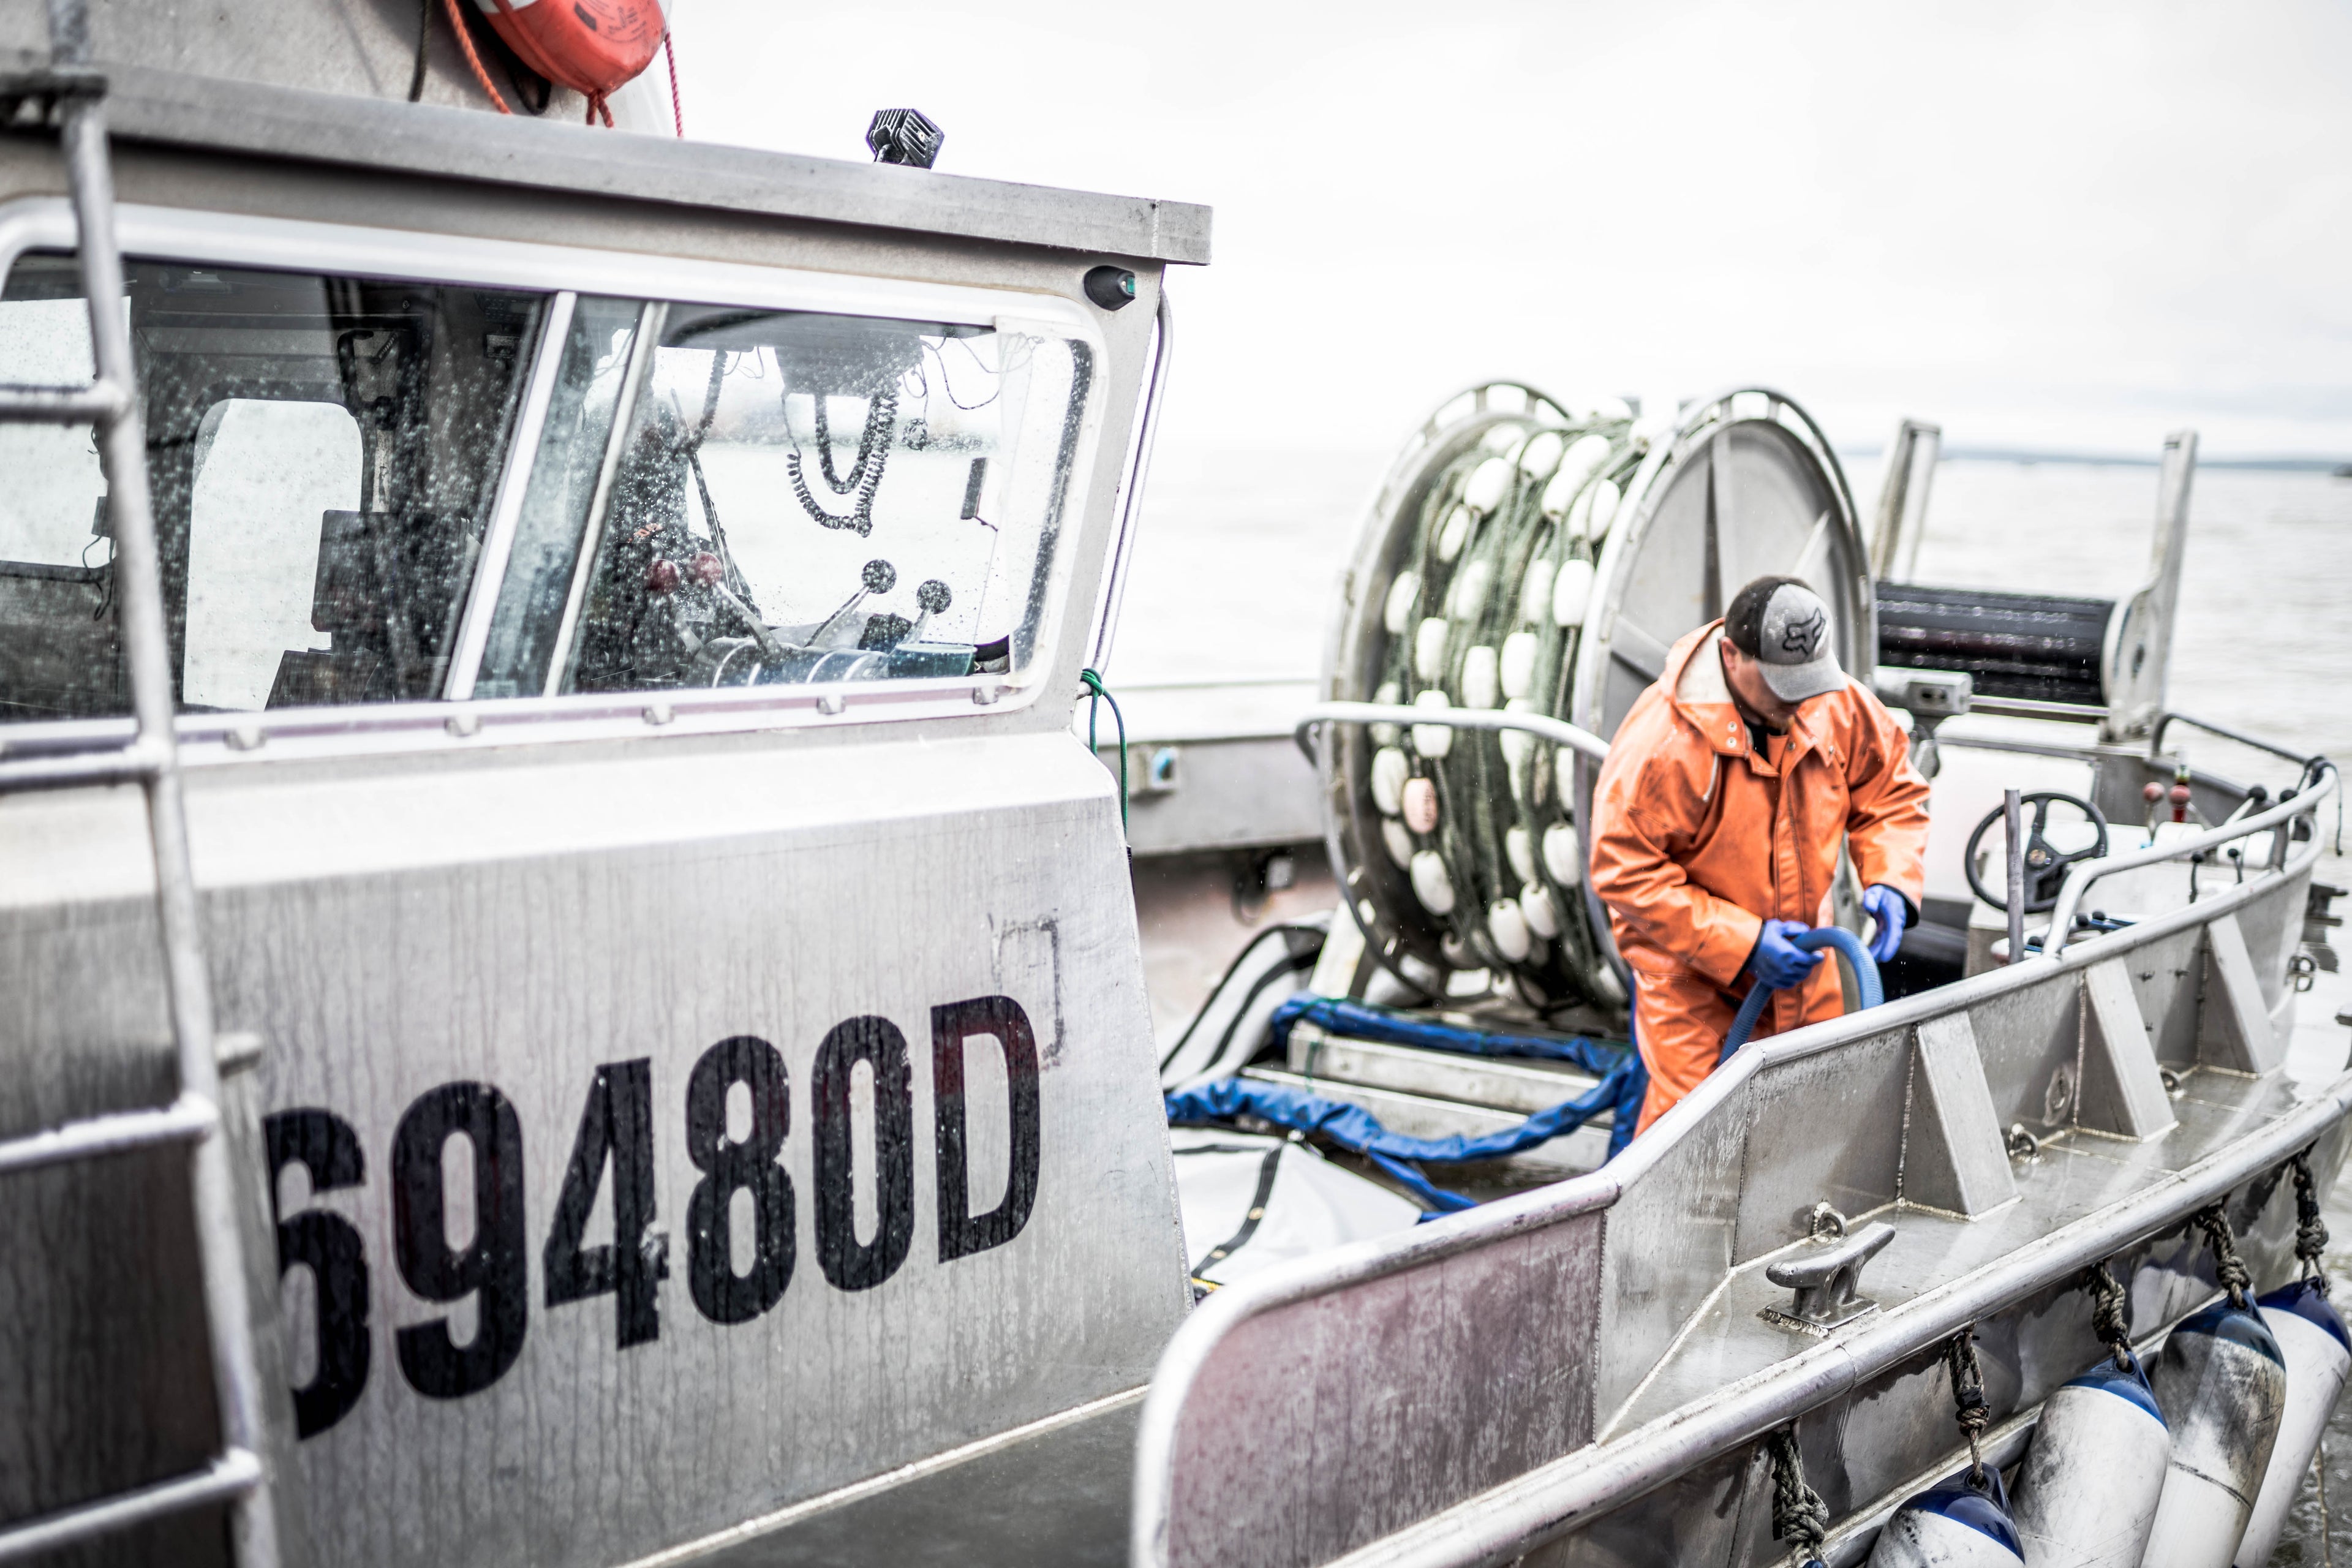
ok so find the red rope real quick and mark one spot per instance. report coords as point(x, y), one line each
point(596, 106)
point(676, 109)
point(465, 42)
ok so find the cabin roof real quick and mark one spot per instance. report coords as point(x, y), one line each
point(265, 120)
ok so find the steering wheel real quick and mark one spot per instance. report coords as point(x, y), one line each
point(2045, 867)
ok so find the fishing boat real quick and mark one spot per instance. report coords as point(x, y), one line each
point(576, 997)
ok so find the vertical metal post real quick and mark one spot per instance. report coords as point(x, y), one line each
point(1131, 503)
point(139, 596)
point(2012, 808)
point(1902, 516)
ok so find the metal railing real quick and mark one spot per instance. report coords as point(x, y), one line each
point(1558, 731)
point(1509, 1520)
point(74, 95)
point(2079, 879)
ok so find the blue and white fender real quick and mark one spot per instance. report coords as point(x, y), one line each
point(2222, 1384)
point(2086, 1496)
point(2310, 1334)
point(1953, 1525)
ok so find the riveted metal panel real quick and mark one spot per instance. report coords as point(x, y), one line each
point(1791, 1164)
point(520, 921)
point(1669, 1242)
point(1365, 1411)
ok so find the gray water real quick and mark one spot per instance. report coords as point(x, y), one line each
point(1240, 548)
point(1234, 573)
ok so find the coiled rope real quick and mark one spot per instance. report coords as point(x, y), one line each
point(2110, 1314)
point(1865, 974)
point(2229, 1268)
point(2310, 1229)
point(1798, 1512)
point(1970, 1411)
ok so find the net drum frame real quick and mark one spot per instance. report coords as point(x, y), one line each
point(1592, 541)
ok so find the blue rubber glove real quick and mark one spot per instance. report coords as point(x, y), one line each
point(1887, 907)
point(1776, 963)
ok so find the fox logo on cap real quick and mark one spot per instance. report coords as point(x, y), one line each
point(1801, 637)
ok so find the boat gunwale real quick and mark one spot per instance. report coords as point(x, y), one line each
point(1466, 1533)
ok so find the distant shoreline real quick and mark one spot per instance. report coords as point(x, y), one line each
point(2338, 465)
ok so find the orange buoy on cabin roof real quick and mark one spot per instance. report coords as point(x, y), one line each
point(592, 46)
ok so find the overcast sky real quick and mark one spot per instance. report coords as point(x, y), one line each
point(2053, 226)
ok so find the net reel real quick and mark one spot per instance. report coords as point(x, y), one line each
point(1543, 559)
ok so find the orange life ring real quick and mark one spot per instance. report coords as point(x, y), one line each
point(592, 46)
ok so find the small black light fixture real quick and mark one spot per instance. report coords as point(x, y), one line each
point(905, 136)
point(1112, 288)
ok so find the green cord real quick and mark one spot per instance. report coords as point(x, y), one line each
point(1097, 694)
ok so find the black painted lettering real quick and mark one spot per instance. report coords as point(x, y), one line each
point(961, 1232)
point(849, 1264)
point(494, 1267)
point(328, 1246)
point(722, 1295)
point(616, 1127)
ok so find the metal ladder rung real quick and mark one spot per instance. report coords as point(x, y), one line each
point(98, 403)
point(232, 1475)
point(133, 764)
point(183, 1120)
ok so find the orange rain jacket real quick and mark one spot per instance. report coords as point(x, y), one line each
point(1697, 841)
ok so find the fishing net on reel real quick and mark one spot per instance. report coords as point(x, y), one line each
point(1485, 580)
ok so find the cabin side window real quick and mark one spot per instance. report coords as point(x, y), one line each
point(728, 498)
point(323, 452)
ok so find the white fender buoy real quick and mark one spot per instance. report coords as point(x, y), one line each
point(2222, 1384)
point(1429, 648)
point(1482, 687)
point(1521, 851)
point(1389, 695)
point(1953, 1525)
point(1571, 593)
point(1563, 857)
point(1589, 453)
point(1517, 744)
point(1432, 739)
point(1389, 770)
point(1490, 481)
point(1518, 664)
point(1534, 590)
point(1541, 452)
point(1542, 914)
point(1419, 801)
point(1573, 524)
point(1454, 533)
point(1469, 594)
point(2087, 1495)
point(1560, 493)
point(1396, 610)
point(1397, 842)
point(1605, 496)
point(2311, 1336)
point(1430, 883)
point(1509, 927)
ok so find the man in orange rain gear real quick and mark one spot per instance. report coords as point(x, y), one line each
point(1716, 825)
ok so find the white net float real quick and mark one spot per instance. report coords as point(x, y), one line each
point(1527, 556)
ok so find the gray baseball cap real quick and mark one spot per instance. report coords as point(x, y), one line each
point(1785, 627)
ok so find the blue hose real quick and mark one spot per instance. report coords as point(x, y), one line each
point(1866, 971)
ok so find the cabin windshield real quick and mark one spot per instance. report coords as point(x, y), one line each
point(321, 451)
point(792, 496)
point(709, 496)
